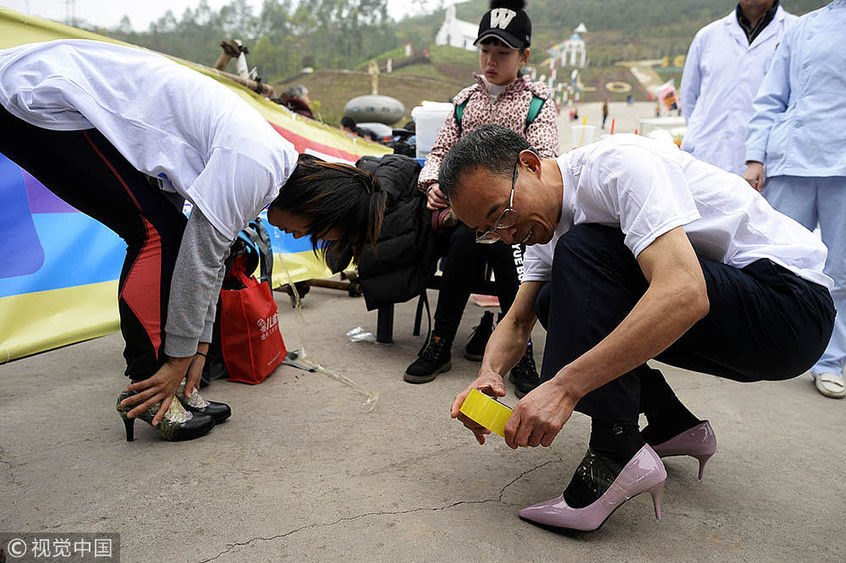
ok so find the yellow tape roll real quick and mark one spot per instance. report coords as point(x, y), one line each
point(487, 411)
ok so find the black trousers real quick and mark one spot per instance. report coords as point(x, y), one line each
point(86, 171)
point(764, 322)
point(464, 265)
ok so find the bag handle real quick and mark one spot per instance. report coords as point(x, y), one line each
point(241, 276)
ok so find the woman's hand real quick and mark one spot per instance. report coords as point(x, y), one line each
point(436, 198)
point(161, 387)
point(195, 373)
point(488, 382)
point(195, 370)
point(754, 174)
point(539, 416)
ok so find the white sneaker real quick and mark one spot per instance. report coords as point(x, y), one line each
point(831, 385)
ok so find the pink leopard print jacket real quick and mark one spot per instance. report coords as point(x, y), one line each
point(510, 110)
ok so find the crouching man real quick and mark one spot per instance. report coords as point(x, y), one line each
point(636, 251)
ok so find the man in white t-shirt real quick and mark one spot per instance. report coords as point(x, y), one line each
point(636, 251)
point(123, 134)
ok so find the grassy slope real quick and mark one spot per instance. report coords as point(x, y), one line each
point(409, 85)
point(448, 71)
point(620, 30)
point(439, 81)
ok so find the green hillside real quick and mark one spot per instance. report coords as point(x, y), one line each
point(624, 29)
point(617, 29)
point(438, 78)
point(333, 35)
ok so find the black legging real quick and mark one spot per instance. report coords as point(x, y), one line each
point(464, 265)
point(764, 322)
point(86, 171)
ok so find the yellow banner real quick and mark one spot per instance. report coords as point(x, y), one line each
point(45, 300)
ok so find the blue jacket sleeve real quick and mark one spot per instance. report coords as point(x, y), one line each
point(772, 99)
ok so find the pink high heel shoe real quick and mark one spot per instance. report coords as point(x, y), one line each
point(644, 472)
point(699, 442)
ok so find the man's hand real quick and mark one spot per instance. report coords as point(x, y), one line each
point(436, 198)
point(488, 382)
point(161, 386)
point(754, 174)
point(539, 416)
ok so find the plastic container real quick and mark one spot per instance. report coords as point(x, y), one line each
point(581, 135)
point(428, 120)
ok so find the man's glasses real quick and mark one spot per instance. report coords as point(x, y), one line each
point(506, 219)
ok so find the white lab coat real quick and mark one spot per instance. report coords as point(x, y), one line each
point(722, 74)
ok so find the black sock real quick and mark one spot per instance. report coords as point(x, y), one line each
point(618, 441)
point(612, 445)
point(667, 416)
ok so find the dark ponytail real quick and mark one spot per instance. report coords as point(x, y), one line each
point(333, 195)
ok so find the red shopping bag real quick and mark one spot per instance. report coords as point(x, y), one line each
point(250, 340)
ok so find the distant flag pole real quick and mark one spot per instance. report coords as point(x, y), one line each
point(582, 134)
point(612, 126)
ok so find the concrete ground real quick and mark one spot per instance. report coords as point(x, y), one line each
point(627, 117)
point(303, 471)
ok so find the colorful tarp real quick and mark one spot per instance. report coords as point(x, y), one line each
point(59, 268)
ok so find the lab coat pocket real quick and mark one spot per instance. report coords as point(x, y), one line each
point(767, 61)
point(779, 136)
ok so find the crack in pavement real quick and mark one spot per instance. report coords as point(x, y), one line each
point(383, 513)
point(523, 474)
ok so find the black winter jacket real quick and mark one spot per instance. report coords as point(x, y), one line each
point(405, 256)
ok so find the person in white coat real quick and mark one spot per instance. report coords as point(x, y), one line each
point(725, 66)
point(795, 156)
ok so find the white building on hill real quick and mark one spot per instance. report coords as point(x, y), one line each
point(456, 33)
point(573, 51)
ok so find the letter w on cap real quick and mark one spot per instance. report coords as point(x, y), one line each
point(501, 17)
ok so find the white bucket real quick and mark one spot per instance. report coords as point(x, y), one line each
point(581, 135)
point(428, 120)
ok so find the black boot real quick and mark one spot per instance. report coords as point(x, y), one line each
point(433, 360)
point(524, 375)
point(475, 348)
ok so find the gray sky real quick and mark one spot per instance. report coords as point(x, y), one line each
point(107, 13)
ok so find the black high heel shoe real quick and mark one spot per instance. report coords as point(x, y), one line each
point(198, 405)
point(176, 425)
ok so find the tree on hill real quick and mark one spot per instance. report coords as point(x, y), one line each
point(336, 33)
point(348, 33)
